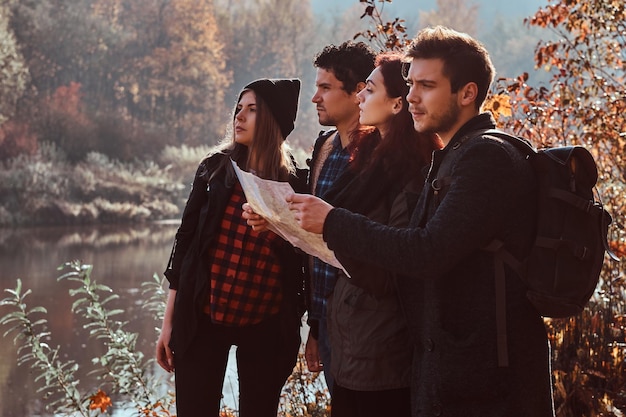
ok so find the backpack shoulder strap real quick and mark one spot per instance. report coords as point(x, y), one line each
point(521, 143)
point(443, 173)
point(501, 256)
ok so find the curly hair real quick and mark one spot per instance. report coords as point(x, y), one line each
point(350, 62)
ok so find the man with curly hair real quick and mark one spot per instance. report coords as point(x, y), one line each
point(341, 74)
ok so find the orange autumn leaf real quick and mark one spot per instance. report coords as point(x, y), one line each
point(498, 105)
point(618, 248)
point(226, 412)
point(100, 400)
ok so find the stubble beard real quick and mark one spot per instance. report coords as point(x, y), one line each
point(325, 120)
point(442, 122)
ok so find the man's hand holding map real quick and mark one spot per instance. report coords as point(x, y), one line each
point(268, 199)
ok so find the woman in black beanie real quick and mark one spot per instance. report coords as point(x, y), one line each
point(230, 285)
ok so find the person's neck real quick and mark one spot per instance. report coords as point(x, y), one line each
point(382, 130)
point(345, 128)
point(447, 136)
point(255, 166)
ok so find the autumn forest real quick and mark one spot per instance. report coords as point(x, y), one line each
point(106, 107)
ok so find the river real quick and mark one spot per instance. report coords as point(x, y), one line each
point(123, 257)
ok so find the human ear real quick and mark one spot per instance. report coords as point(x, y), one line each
point(468, 93)
point(397, 105)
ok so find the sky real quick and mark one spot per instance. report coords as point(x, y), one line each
point(488, 9)
point(498, 12)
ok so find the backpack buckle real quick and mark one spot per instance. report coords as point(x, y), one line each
point(582, 252)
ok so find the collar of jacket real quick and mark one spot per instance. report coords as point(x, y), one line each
point(479, 122)
point(466, 132)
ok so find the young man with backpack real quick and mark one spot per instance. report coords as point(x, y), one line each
point(467, 361)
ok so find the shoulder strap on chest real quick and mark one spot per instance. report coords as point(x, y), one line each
point(439, 187)
point(443, 178)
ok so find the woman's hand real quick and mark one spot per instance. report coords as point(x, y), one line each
point(256, 221)
point(164, 355)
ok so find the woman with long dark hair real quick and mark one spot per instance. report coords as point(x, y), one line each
point(230, 285)
point(371, 350)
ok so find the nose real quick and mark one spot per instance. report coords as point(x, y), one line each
point(316, 98)
point(360, 97)
point(239, 116)
point(411, 96)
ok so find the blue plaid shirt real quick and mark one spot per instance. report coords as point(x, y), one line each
point(324, 276)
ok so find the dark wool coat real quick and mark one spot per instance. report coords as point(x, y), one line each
point(447, 283)
point(368, 333)
point(188, 268)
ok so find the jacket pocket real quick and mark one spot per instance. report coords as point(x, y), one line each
point(469, 371)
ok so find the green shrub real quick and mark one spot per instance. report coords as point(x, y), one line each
point(46, 188)
point(121, 372)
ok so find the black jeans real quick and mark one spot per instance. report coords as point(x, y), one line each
point(266, 355)
point(350, 403)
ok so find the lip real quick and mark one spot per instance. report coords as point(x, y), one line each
point(416, 114)
point(239, 129)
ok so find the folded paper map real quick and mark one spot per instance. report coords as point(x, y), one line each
point(268, 199)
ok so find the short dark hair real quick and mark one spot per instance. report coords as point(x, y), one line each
point(351, 63)
point(464, 58)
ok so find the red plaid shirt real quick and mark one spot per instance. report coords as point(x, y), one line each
point(245, 282)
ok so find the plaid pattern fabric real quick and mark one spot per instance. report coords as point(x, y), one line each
point(245, 282)
point(324, 276)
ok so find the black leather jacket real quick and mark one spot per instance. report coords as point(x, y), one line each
point(187, 270)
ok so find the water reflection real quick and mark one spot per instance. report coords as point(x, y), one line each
point(123, 257)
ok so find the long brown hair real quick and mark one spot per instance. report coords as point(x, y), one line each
point(268, 155)
point(403, 151)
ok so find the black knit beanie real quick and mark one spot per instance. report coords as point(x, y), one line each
point(281, 96)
